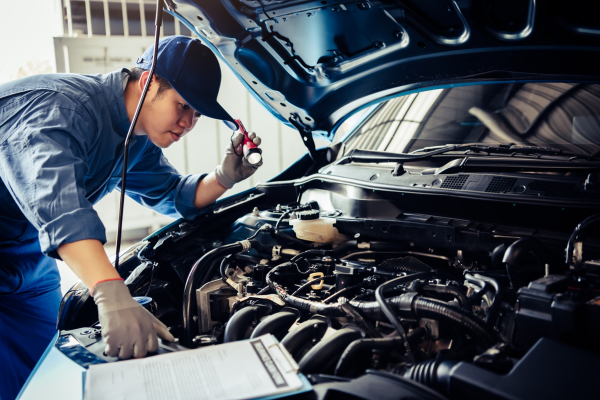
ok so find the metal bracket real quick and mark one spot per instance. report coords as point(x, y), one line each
point(306, 134)
point(205, 321)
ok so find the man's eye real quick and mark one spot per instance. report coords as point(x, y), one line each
point(185, 106)
point(198, 115)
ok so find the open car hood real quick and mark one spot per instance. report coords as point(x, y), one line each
point(313, 63)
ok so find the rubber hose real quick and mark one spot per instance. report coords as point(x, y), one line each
point(344, 247)
point(342, 291)
point(498, 255)
point(281, 218)
point(239, 258)
point(583, 225)
point(494, 310)
point(373, 246)
point(434, 373)
point(312, 282)
point(514, 255)
point(435, 309)
point(482, 284)
point(310, 253)
point(197, 274)
point(500, 277)
point(224, 265)
point(296, 241)
point(349, 355)
point(451, 290)
point(263, 290)
point(389, 311)
point(455, 316)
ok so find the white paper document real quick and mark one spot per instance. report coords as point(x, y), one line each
point(240, 370)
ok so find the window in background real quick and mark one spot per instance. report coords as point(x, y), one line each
point(168, 28)
point(133, 18)
point(150, 14)
point(184, 31)
point(78, 18)
point(115, 12)
point(98, 23)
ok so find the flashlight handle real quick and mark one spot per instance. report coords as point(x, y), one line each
point(248, 144)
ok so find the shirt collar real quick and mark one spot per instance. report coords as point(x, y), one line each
point(113, 87)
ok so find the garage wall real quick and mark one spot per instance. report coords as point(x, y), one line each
point(202, 149)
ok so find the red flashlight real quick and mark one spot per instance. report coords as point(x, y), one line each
point(252, 153)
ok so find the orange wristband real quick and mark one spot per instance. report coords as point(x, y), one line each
point(106, 280)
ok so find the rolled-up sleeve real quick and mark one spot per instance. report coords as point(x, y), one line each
point(156, 184)
point(43, 164)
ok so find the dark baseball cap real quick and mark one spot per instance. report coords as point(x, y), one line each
point(192, 70)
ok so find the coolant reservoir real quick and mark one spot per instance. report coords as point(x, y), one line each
point(308, 225)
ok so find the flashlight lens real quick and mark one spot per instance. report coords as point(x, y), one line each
point(254, 158)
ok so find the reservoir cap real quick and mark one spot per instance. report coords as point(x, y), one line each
point(307, 215)
point(143, 300)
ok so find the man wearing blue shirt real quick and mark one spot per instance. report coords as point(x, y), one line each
point(61, 151)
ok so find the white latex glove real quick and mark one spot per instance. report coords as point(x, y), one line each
point(127, 327)
point(234, 168)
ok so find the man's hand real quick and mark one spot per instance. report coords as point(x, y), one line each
point(128, 329)
point(234, 168)
point(126, 326)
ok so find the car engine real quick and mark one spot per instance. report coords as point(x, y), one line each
point(418, 305)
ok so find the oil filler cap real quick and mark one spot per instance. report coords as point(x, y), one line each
point(307, 215)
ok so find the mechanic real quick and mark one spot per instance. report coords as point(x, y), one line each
point(61, 151)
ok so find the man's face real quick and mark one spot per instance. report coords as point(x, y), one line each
point(166, 118)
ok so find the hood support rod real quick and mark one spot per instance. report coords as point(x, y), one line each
point(306, 134)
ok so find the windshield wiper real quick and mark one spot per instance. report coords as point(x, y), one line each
point(370, 156)
point(501, 164)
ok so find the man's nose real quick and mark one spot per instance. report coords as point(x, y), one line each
point(187, 120)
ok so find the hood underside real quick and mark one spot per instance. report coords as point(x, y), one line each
point(313, 63)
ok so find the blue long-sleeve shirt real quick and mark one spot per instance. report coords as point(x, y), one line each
point(61, 151)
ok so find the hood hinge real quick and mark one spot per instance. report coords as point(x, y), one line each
point(306, 134)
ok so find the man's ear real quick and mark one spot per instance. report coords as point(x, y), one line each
point(143, 79)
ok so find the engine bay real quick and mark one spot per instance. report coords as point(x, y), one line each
point(426, 306)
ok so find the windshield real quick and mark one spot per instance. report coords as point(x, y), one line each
point(548, 114)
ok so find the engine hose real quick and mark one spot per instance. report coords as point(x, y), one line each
point(227, 260)
point(389, 311)
point(483, 288)
point(341, 292)
point(297, 241)
point(310, 253)
point(434, 373)
point(198, 274)
point(424, 307)
point(224, 265)
point(373, 246)
point(571, 244)
point(282, 235)
point(285, 214)
point(312, 282)
point(263, 290)
point(513, 258)
point(372, 309)
point(450, 290)
point(348, 358)
point(302, 304)
point(344, 248)
point(494, 310)
point(408, 304)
